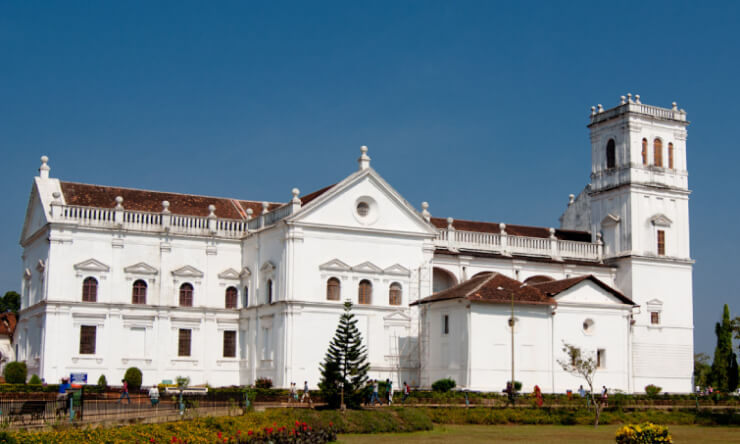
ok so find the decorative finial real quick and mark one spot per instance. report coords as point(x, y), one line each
point(449, 223)
point(249, 213)
point(165, 207)
point(265, 206)
point(552, 232)
point(674, 106)
point(637, 99)
point(601, 108)
point(211, 211)
point(424, 213)
point(57, 198)
point(571, 199)
point(598, 238)
point(296, 192)
point(593, 110)
point(364, 159)
point(629, 97)
point(119, 203)
point(502, 228)
point(622, 100)
point(44, 168)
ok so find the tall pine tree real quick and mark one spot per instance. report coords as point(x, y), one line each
point(345, 363)
point(724, 375)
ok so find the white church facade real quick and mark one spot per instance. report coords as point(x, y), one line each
point(227, 290)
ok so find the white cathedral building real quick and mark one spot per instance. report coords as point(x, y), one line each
point(228, 290)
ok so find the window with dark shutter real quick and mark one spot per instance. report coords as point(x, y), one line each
point(661, 243)
point(87, 339)
point(246, 296)
point(658, 152)
point(186, 295)
point(332, 289)
point(670, 155)
point(231, 296)
point(138, 292)
point(90, 290)
point(611, 155)
point(446, 324)
point(365, 292)
point(394, 294)
point(229, 344)
point(644, 151)
point(655, 317)
point(183, 342)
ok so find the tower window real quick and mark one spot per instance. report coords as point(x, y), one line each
point(644, 151)
point(332, 289)
point(87, 339)
point(90, 290)
point(231, 296)
point(183, 342)
point(670, 155)
point(365, 292)
point(601, 358)
point(661, 243)
point(611, 155)
point(138, 292)
point(658, 152)
point(186, 295)
point(229, 344)
point(446, 324)
point(394, 294)
point(246, 296)
point(269, 291)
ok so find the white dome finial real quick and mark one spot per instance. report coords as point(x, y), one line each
point(44, 168)
point(364, 160)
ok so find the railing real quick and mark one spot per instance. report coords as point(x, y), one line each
point(649, 110)
point(506, 244)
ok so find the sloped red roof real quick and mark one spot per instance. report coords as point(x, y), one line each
point(515, 230)
point(492, 288)
point(144, 200)
point(553, 288)
point(8, 322)
point(311, 196)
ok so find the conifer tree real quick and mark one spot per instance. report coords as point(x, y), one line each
point(345, 363)
point(724, 375)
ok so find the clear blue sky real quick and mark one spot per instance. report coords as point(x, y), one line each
point(477, 107)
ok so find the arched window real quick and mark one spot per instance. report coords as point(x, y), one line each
point(670, 155)
point(231, 295)
point(394, 294)
point(365, 294)
point(658, 152)
point(90, 290)
point(186, 295)
point(246, 296)
point(333, 289)
point(644, 151)
point(269, 291)
point(611, 155)
point(138, 292)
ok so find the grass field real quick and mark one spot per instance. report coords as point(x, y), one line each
point(539, 434)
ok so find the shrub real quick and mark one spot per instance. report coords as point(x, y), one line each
point(263, 383)
point(7, 438)
point(643, 433)
point(182, 381)
point(35, 380)
point(133, 377)
point(102, 383)
point(652, 391)
point(443, 385)
point(15, 373)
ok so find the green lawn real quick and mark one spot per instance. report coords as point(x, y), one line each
point(544, 433)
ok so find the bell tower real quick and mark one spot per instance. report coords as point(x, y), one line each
point(639, 203)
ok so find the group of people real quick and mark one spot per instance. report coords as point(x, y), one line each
point(604, 395)
point(375, 396)
point(293, 395)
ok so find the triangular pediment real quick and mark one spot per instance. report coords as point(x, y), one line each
point(246, 272)
point(229, 273)
point(397, 269)
point(609, 220)
point(385, 210)
point(654, 303)
point(187, 271)
point(141, 268)
point(367, 267)
point(335, 265)
point(92, 265)
point(661, 220)
point(590, 292)
point(267, 267)
point(398, 316)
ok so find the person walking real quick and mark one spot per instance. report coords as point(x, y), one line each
point(124, 393)
point(406, 391)
point(306, 396)
point(292, 393)
point(154, 395)
point(63, 387)
point(605, 396)
point(375, 398)
point(389, 390)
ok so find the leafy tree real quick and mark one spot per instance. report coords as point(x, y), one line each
point(702, 369)
point(15, 373)
point(577, 364)
point(35, 380)
point(102, 383)
point(345, 363)
point(133, 377)
point(443, 385)
point(11, 301)
point(724, 376)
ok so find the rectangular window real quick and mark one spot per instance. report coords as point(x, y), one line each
point(654, 317)
point(183, 342)
point(87, 339)
point(661, 243)
point(446, 324)
point(601, 358)
point(229, 344)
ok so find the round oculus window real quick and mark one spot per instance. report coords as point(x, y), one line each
point(363, 209)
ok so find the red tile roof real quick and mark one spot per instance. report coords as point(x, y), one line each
point(553, 288)
point(516, 230)
point(311, 196)
point(7, 323)
point(491, 288)
point(493, 255)
point(144, 200)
